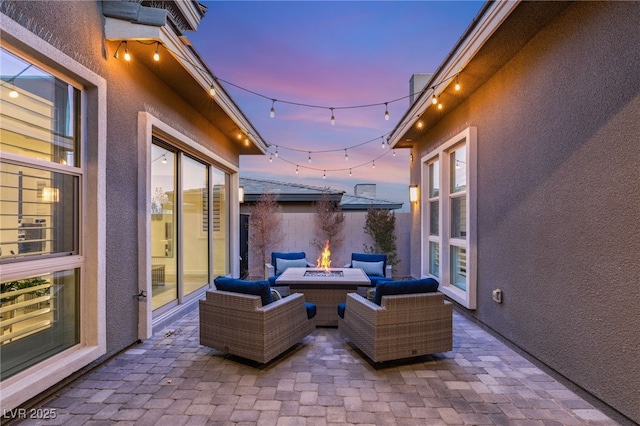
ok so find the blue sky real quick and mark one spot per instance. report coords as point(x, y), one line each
point(328, 54)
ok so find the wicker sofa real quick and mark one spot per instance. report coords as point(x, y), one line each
point(241, 325)
point(401, 326)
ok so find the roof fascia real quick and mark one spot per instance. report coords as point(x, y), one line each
point(190, 13)
point(492, 16)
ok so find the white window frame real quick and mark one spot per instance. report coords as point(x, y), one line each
point(148, 126)
point(442, 154)
point(91, 257)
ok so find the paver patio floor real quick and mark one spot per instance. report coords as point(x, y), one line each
point(171, 380)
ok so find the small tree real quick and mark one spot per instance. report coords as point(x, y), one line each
point(329, 223)
point(265, 229)
point(380, 224)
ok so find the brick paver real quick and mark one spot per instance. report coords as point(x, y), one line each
point(171, 379)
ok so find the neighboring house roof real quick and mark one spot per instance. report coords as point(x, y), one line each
point(295, 192)
point(355, 202)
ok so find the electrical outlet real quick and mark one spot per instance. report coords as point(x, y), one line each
point(497, 295)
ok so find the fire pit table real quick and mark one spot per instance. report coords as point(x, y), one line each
point(324, 287)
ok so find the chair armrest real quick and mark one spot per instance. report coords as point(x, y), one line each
point(388, 271)
point(348, 265)
point(269, 271)
point(311, 265)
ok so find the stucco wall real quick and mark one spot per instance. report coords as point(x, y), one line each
point(298, 229)
point(559, 198)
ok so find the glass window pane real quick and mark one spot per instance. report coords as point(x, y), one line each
point(38, 212)
point(220, 220)
point(434, 179)
point(459, 169)
point(459, 217)
point(434, 218)
point(434, 258)
point(459, 267)
point(39, 113)
point(195, 224)
point(164, 263)
point(39, 318)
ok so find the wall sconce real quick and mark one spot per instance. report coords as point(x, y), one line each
point(413, 193)
point(241, 194)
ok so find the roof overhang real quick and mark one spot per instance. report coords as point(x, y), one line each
point(499, 31)
point(182, 69)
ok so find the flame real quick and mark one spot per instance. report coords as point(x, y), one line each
point(324, 261)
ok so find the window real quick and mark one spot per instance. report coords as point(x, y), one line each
point(52, 147)
point(449, 217)
point(185, 226)
point(40, 180)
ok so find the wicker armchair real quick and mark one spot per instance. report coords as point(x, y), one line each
point(403, 326)
point(238, 324)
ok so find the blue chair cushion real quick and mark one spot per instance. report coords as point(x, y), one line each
point(388, 288)
point(375, 280)
point(311, 309)
point(341, 308)
point(284, 264)
point(287, 256)
point(257, 288)
point(369, 257)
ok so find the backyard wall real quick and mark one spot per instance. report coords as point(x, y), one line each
point(298, 230)
point(558, 197)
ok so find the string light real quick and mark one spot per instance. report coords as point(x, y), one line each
point(383, 144)
point(270, 158)
point(246, 141)
point(386, 111)
point(439, 104)
point(156, 56)
point(434, 100)
point(419, 124)
point(309, 156)
point(374, 164)
point(127, 55)
point(272, 113)
point(212, 92)
point(333, 118)
point(276, 151)
point(350, 174)
point(457, 86)
point(346, 156)
point(324, 174)
point(394, 152)
point(164, 159)
point(297, 171)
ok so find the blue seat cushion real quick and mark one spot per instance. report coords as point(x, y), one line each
point(375, 280)
point(257, 288)
point(389, 288)
point(311, 309)
point(341, 308)
point(287, 256)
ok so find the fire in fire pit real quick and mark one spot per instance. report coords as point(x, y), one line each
point(324, 261)
point(323, 273)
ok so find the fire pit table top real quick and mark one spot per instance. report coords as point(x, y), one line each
point(338, 276)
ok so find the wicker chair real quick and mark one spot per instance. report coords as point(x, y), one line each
point(238, 324)
point(403, 326)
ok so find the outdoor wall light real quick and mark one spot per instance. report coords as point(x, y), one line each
point(241, 194)
point(413, 193)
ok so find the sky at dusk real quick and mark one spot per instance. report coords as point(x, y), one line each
point(328, 54)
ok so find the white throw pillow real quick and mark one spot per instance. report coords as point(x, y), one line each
point(369, 268)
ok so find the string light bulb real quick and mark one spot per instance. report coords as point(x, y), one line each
point(272, 113)
point(419, 124)
point(246, 141)
point(309, 156)
point(212, 90)
point(270, 158)
point(156, 56)
point(457, 86)
point(333, 118)
point(276, 151)
point(127, 55)
point(346, 156)
point(382, 145)
point(297, 171)
point(439, 103)
point(386, 111)
point(13, 94)
point(324, 174)
point(164, 159)
point(394, 152)
point(434, 100)
point(374, 164)
point(350, 174)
